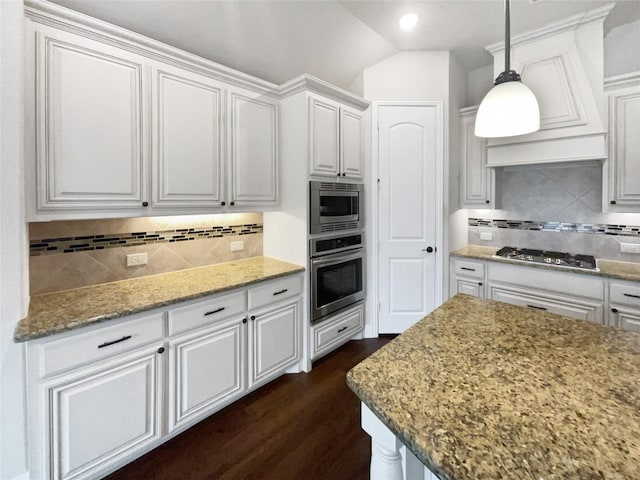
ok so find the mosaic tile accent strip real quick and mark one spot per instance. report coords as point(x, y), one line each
point(49, 246)
point(592, 228)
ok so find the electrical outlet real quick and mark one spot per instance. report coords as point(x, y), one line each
point(136, 259)
point(630, 247)
point(486, 236)
point(237, 246)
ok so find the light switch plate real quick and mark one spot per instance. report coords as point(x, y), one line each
point(630, 247)
point(136, 259)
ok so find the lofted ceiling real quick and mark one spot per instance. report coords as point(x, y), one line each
point(277, 40)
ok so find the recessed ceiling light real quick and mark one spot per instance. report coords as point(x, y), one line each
point(408, 21)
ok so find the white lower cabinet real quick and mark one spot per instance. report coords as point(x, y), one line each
point(274, 337)
point(99, 396)
point(335, 331)
point(467, 277)
point(206, 371)
point(624, 305)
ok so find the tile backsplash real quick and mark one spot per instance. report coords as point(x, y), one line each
point(556, 207)
point(73, 254)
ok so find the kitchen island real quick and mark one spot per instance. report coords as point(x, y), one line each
point(481, 389)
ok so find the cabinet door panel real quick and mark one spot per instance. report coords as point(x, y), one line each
point(89, 124)
point(274, 342)
point(99, 417)
point(188, 148)
point(469, 286)
point(476, 180)
point(352, 151)
point(624, 147)
point(254, 156)
point(207, 370)
point(323, 138)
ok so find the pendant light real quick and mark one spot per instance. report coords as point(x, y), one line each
point(510, 108)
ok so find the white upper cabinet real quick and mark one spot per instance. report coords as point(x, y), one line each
point(187, 140)
point(113, 133)
point(624, 144)
point(324, 137)
point(253, 150)
point(90, 129)
point(335, 139)
point(476, 179)
point(351, 143)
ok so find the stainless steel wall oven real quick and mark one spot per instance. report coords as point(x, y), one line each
point(337, 273)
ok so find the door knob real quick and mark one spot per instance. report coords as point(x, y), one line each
point(428, 249)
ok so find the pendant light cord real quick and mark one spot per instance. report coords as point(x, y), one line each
point(507, 37)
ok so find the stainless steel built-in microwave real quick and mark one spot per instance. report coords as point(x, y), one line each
point(336, 206)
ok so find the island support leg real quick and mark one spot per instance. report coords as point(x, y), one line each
point(386, 461)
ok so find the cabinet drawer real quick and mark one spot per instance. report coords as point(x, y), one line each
point(101, 342)
point(583, 310)
point(275, 291)
point(205, 312)
point(468, 269)
point(624, 294)
point(328, 334)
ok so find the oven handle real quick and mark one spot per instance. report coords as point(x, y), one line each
point(337, 257)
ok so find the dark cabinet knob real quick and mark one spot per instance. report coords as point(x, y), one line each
point(232, 203)
point(614, 310)
point(145, 204)
point(487, 201)
point(244, 320)
point(253, 317)
point(612, 202)
point(344, 174)
point(223, 203)
point(161, 350)
point(480, 283)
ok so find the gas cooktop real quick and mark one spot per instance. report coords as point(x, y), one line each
point(546, 257)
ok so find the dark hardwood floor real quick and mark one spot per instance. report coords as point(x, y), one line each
point(302, 426)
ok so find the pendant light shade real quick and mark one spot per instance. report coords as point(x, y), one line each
point(510, 108)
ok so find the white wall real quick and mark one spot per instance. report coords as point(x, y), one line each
point(479, 82)
point(621, 49)
point(13, 240)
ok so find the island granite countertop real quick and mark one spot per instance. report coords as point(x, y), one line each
point(484, 390)
point(65, 310)
point(608, 268)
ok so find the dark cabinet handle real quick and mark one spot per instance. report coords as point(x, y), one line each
point(342, 329)
point(480, 283)
point(214, 311)
point(161, 350)
point(145, 204)
point(123, 339)
point(280, 292)
point(631, 295)
point(244, 320)
point(338, 174)
point(536, 307)
point(223, 203)
point(253, 317)
point(232, 203)
point(487, 201)
point(467, 268)
point(612, 202)
point(344, 174)
point(614, 310)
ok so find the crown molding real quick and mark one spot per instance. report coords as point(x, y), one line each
point(468, 110)
point(306, 82)
point(46, 13)
point(569, 23)
point(621, 81)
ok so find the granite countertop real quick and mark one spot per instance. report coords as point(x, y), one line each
point(608, 268)
point(485, 390)
point(56, 312)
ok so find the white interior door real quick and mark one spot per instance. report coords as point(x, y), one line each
point(409, 222)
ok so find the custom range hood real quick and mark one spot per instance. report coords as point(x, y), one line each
point(563, 64)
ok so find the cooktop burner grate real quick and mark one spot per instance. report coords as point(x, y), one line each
point(548, 257)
